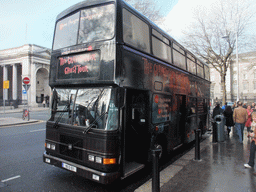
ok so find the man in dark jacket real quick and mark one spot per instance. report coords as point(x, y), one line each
point(217, 110)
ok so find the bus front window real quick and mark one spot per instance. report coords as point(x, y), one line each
point(96, 24)
point(88, 108)
point(66, 32)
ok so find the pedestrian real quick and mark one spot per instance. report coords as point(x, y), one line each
point(234, 106)
point(253, 105)
point(240, 117)
point(228, 113)
point(217, 110)
point(249, 120)
point(245, 106)
point(250, 164)
point(224, 106)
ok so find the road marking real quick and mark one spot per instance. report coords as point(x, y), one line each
point(37, 130)
point(12, 178)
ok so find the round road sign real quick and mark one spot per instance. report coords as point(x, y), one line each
point(26, 80)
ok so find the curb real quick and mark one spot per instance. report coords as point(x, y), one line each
point(20, 123)
point(169, 172)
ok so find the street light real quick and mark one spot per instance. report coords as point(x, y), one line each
point(237, 69)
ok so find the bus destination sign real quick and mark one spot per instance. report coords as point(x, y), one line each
point(80, 66)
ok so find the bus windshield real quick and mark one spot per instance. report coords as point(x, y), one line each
point(88, 108)
point(87, 25)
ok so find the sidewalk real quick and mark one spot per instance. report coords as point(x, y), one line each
point(219, 170)
point(20, 109)
point(8, 121)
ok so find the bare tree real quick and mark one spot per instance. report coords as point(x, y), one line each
point(214, 33)
point(151, 10)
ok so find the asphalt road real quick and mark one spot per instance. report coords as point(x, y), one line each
point(22, 167)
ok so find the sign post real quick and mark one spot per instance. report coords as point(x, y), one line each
point(26, 86)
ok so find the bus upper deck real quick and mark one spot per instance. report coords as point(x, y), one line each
point(95, 54)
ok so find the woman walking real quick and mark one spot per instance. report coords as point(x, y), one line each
point(228, 113)
point(250, 164)
point(249, 120)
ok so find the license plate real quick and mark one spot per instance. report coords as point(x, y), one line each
point(69, 167)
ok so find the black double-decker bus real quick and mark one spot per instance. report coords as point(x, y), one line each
point(120, 87)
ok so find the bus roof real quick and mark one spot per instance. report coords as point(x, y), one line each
point(88, 3)
point(77, 6)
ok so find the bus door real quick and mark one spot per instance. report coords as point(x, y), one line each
point(180, 118)
point(135, 133)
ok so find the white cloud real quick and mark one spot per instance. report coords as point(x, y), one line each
point(182, 15)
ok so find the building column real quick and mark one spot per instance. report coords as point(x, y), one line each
point(33, 85)
point(5, 78)
point(14, 82)
point(26, 73)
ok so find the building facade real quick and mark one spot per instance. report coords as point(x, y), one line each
point(30, 61)
point(240, 80)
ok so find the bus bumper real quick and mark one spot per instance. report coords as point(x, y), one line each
point(86, 172)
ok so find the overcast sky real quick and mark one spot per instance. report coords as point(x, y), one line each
point(32, 21)
point(182, 14)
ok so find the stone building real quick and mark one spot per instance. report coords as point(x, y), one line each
point(30, 61)
point(246, 80)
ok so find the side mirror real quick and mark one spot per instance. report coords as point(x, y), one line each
point(54, 100)
point(119, 96)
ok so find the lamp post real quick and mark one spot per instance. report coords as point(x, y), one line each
point(237, 98)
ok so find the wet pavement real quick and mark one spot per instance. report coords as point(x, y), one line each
point(220, 169)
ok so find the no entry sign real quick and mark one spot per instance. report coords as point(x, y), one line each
point(26, 80)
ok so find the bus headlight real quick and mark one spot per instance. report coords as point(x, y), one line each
point(50, 146)
point(100, 160)
point(90, 157)
point(53, 147)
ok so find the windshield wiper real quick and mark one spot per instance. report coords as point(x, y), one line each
point(56, 124)
point(93, 123)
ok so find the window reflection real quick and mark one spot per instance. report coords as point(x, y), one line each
point(96, 24)
point(85, 107)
